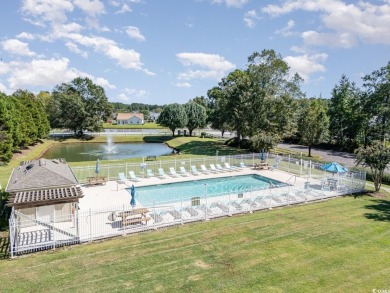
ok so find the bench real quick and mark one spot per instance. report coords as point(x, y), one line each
point(96, 180)
point(137, 220)
point(151, 158)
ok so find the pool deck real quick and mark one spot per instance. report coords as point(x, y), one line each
point(114, 193)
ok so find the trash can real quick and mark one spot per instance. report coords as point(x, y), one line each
point(179, 132)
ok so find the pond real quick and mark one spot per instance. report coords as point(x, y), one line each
point(78, 152)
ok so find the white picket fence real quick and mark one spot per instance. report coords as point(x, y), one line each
point(29, 234)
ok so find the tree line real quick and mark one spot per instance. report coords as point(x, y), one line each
point(26, 118)
point(23, 122)
point(263, 104)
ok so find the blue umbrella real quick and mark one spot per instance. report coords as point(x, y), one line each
point(97, 170)
point(334, 168)
point(132, 192)
point(262, 154)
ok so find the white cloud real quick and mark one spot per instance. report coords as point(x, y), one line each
point(40, 73)
point(250, 18)
point(47, 10)
point(346, 24)
point(129, 93)
point(103, 82)
point(123, 97)
point(14, 46)
point(286, 31)
point(3, 89)
point(75, 49)
point(183, 84)
point(231, 3)
point(44, 73)
point(126, 58)
point(344, 40)
point(90, 7)
point(134, 33)
point(135, 92)
point(212, 66)
point(4, 68)
point(305, 65)
point(25, 35)
point(124, 9)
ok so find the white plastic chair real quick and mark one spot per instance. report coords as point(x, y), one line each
point(133, 177)
point(172, 172)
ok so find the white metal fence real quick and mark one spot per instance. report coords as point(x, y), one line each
point(30, 234)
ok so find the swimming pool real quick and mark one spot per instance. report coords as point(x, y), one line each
point(213, 187)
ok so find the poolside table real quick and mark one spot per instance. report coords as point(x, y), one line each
point(135, 216)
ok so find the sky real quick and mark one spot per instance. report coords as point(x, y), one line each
point(171, 51)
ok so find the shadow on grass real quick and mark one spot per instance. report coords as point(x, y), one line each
point(4, 246)
point(381, 210)
point(208, 148)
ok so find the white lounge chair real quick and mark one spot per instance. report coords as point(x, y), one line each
point(149, 173)
point(194, 171)
point(213, 169)
point(183, 171)
point(133, 177)
point(231, 168)
point(221, 169)
point(122, 178)
point(172, 172)
point(204, 170)
point(161, 174)
point(242, 165)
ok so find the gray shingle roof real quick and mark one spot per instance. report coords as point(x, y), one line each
point(41, 174)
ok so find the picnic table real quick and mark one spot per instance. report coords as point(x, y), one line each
point(262, 166)
point(96, 180)
point(135, 216)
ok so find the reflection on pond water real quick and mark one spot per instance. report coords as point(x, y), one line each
point(92, 151)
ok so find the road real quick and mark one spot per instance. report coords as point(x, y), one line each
point(343, 158)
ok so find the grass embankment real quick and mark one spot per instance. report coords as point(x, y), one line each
point(340, 245)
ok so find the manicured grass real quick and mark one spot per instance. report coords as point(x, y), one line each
point(340, 245)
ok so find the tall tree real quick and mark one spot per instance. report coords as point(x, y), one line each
point(344, 114)
point(272, 106)
point(6, 141)
point(217, 115)
point(313, 124)
point(377, 87)
point(196, 115)
point(376, 156)
point(173, 116)
point(88, 100)
point(235, 102)
point(146, 114)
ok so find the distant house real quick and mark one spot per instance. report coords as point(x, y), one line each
point(154, 116)
point(130, 118)
point(40, 192)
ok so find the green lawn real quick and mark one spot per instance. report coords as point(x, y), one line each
point(340, 245)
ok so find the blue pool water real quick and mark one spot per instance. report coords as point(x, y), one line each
point(172, 192)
